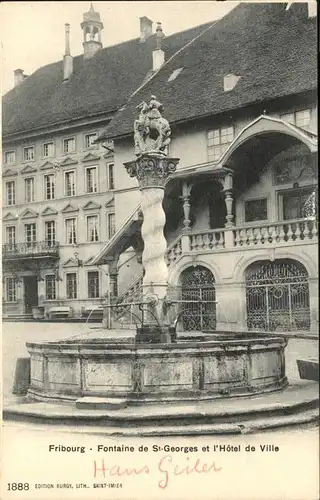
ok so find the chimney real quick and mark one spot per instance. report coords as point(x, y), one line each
point(302, 10)
point(67, 58)
point(312, 9)
point(18, 76)
point(158, 54)
point(145, 28)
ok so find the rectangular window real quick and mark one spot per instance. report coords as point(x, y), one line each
point(289, 118)
point(303, 118)
point(91, 180)
point(300, 118)
point(218, 140)
point(30, 234)
point(50, 287)
point(48, 149)
point(50, 232)
point(92, 228)
point(111, 175)
point(10, 193)
point(28, 153)
point(49, 187)
point(29, 189)
point(10, 236)
point(111, 225)
point(296, 203)
point(88, 140)
point(70, 183)
point(9, 157)
point(71, 286)
point(256, 210)
point(10, 289)
point(93, 285)
point(71, 231)
point(69, 145)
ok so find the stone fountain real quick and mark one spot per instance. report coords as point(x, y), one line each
point(154, 366)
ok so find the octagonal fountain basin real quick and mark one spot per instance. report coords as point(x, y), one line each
point(186, 370)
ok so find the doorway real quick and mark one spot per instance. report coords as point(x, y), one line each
point(277, 296)
point(198, 309)
point(30, 293)
point(208, 208)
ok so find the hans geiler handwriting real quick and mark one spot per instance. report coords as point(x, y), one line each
point(166, 469)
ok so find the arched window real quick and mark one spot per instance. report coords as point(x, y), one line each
point(198, 309)
point(277, 296)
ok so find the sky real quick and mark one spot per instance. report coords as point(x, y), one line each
point(32, 33)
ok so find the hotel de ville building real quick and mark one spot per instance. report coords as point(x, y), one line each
point(240, 95)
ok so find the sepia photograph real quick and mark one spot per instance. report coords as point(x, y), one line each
point(160, 317)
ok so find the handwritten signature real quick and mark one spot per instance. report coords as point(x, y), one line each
point(166, 468)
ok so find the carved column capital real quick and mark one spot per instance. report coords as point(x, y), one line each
point(228, 182)
point(151, 170)
point(186, 188)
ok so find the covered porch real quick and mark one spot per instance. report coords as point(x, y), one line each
point(258, 200)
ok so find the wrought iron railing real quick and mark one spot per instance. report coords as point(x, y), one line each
point(13, 250)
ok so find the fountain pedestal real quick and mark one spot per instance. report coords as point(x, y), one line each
point(152, 170)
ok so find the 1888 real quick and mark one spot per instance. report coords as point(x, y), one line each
point(18, 486)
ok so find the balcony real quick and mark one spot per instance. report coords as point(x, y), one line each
point(279, 233)
point(272, 234)
point(37, 249)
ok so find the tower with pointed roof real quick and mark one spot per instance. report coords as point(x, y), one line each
point(91, 27)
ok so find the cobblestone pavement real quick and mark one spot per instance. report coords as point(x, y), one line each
point(15, 336)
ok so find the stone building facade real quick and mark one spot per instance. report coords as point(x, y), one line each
point(58, 185)
point(241, 208)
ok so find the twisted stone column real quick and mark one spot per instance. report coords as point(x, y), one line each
point(152, 171)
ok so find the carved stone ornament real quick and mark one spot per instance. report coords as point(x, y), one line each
point(151, 170)
point(151, 131)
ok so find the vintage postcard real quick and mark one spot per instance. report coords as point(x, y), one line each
point(159, 251)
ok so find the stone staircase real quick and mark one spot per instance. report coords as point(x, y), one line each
point(121, 318)
point(296, 406)
point(17, 317)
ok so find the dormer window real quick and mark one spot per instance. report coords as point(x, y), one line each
point(174, 74)
point(230, 81)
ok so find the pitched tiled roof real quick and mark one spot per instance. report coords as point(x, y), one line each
point(273, 50)
point(99, 85)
